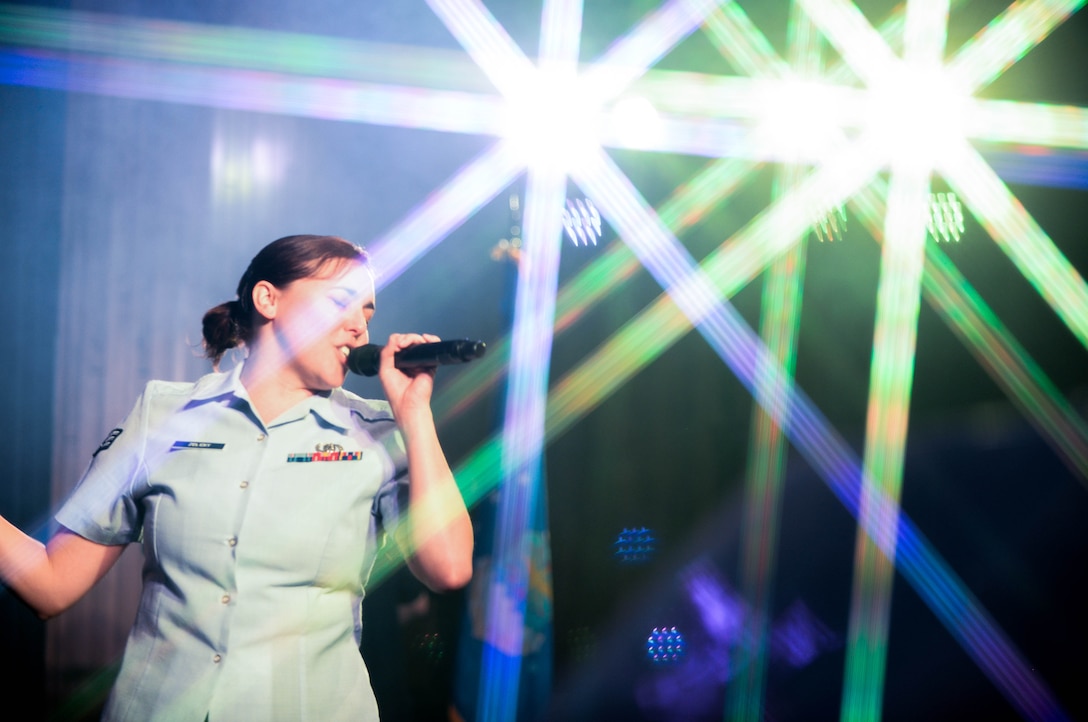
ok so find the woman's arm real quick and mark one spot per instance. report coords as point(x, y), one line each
point(437, 538)
point(52, 577)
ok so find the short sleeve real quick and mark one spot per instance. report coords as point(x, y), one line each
point(391, 503)
point(102, 507)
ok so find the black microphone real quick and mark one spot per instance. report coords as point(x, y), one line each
point(365, 360)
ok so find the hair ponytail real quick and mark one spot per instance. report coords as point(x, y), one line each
point(223, 330)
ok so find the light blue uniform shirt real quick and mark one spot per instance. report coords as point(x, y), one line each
point(257, 542)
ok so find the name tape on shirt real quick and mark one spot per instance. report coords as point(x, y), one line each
point(196, 445)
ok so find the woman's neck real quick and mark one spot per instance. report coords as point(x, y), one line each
point(272, 389)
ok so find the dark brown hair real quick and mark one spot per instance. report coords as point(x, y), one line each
point(281, 262)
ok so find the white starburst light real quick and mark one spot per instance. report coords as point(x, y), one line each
point(552, 119)
point(915, 115)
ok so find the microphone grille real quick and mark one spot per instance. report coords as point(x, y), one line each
point(365, 360)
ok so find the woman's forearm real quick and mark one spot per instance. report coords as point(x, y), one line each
point(439, 531)
point(51, 577)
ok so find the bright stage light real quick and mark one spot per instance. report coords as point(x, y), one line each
point(915, 114)
point(634, 122)
point(552, 120)
point(800, 121)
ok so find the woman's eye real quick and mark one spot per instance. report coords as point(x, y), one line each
point(340, 302)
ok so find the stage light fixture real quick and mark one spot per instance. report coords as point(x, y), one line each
point(635, 545)
point(431, 646)
point(832, 226)
point(582, 221)
point(945, 217)
point(581, 643)
point(665, 645)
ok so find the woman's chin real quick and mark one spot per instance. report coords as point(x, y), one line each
point(326, 382)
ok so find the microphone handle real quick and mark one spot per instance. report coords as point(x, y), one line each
point(438, 353)
point(366, 360)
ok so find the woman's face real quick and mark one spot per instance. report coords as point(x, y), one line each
point(319, 319)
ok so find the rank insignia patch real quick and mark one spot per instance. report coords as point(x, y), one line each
point(108, 441)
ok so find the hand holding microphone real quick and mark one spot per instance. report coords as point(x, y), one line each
point(366, 360)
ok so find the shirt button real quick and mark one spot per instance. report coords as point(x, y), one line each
point(225, 599)
point(217, 659)
point(261, 437)
point(233, 541)
point(244, 485)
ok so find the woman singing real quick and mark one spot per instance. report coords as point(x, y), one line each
point(259, 497)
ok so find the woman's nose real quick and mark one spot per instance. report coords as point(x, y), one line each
point(355, 319)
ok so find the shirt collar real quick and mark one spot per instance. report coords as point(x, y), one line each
point(336, 414)
point(220, 384)
point(229, 383)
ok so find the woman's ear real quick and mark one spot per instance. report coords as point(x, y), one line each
point(265, 299)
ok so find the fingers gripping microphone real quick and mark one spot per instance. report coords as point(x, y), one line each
point(365, 360)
